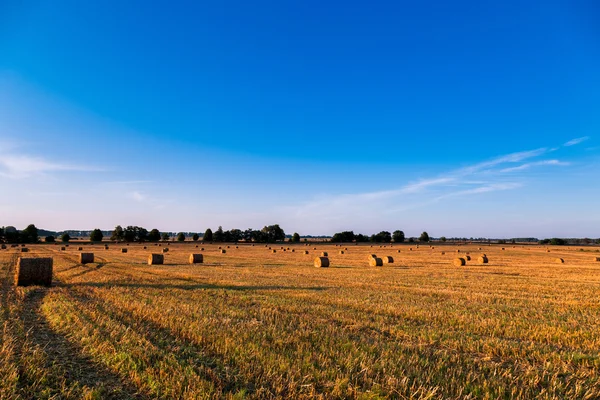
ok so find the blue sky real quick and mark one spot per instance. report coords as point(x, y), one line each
point(467, 118)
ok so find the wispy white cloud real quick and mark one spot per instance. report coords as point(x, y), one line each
point(523, 167)
point(137, 196)
point(575, 141)
point(18, 166)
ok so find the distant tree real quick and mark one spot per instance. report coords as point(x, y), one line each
point(50, 239)
point(273, 233)
point(135, 234)
point(411, 240)
point(424, 237)
point(165, 236)
point(360, 238)
point(558, 242)
point(154, 235)
point(118, 234)
point(296, 237)
point(195, 237)
point(181, 237)
point(96, 235)
point(382, 237)
point(343, 237)
point(65, 238)
point(398, 236)
point(208, 235)
point(11, 234)
point(30, 234)
point(443, 238)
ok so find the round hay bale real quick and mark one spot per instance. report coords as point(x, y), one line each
point(443, 253)
point(293, 250)
point(156, 259)
point(597, 259)
point(375, 262)
point(459, 262)
point(80, 249)
point(371, 256)
point(33, 271)
point(314, 248)
point(468, 258)
point(63, 248)
point(228, 247)
point(411, 249)
point(399, 251)
point(305, 251)
point(145, 247)
point(196, 259)
point(482, 259)
point(458, 251)
point(223, 251)
point(341, 251)
point(86, 258)
point(105, 247)
point(124, 250)
point(503, 248)
point(3, 247)
point(165, 250)
point(321, 262)
point(387, 259)
point(548, 251)
point(273, 251)
point(324, 254)
point(202, 249)
point(24, 250)
point(559, 260)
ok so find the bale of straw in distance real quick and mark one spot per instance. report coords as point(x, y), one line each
point(305, 251)
point(145, 247)
point(597, 259)
point(155, 258)
point(3, 247)
point(324, 254)
point(482, 259)
point(468, 258)
point(63, 248)
point(105, 247)
point(196, 259)
point(24, 250)
point(223, 251)
point(559, 260)
point(341, 251)
point(124, 250)
point(165, 250)
point(321, 262)
point(388, 259)
point(79, 248)
point(459, 262)
point(33, 271)
point(293, 250)
point(399, 251)
point(371, 256)
point(458, 251)
point(86, 258)
point(375, 262)
point(273, 251)
point(443, 253)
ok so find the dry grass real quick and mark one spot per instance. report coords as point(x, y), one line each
point(255, 325)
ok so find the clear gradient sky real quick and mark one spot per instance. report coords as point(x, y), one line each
point(463, 118)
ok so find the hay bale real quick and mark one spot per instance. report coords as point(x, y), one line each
point(154, 259)
point(80, 249)
point(3, 247)
point(321, 262)
point(196, 259)
point(124, 250)
point(305, 251)
point(399, 251)
point(468, 258)
point(24, 250)
point(459, 262)
point(105, 247)
point(559, 260)
point(33, 271)
point(548, 251)
point(273, 251)
point(503, 248)
point(86, 258)
point(375, 262)
point(458, 251)
point(597, 259)
point(387, 259)
point(443, 253)
point(165, 250)
point(293, 250)
point(341, 251)
point(324, 254)
point(371, 256)
point(223, 251)
point(482, 259)
point(145, 247)
point(63, 248)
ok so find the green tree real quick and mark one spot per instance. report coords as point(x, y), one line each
point(65, 238)
point(273, 233)
point(195, 237)
point(424, 237)
point(30, 234)
point(219, 235)
point(398, 236)
point(208, 235)
point(49, 239)
point(181, 237)
point(96, 235)
point(165, 236)
point(154, 235)
point(296, 237)
point(443, 238)
point(118, 234)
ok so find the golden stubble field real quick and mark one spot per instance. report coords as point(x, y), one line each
point(255, 324)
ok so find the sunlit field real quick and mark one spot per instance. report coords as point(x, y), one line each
point(256, 324)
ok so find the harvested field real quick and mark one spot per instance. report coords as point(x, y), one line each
point(252, 324)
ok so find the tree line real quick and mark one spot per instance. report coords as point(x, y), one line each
point(381, 237)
